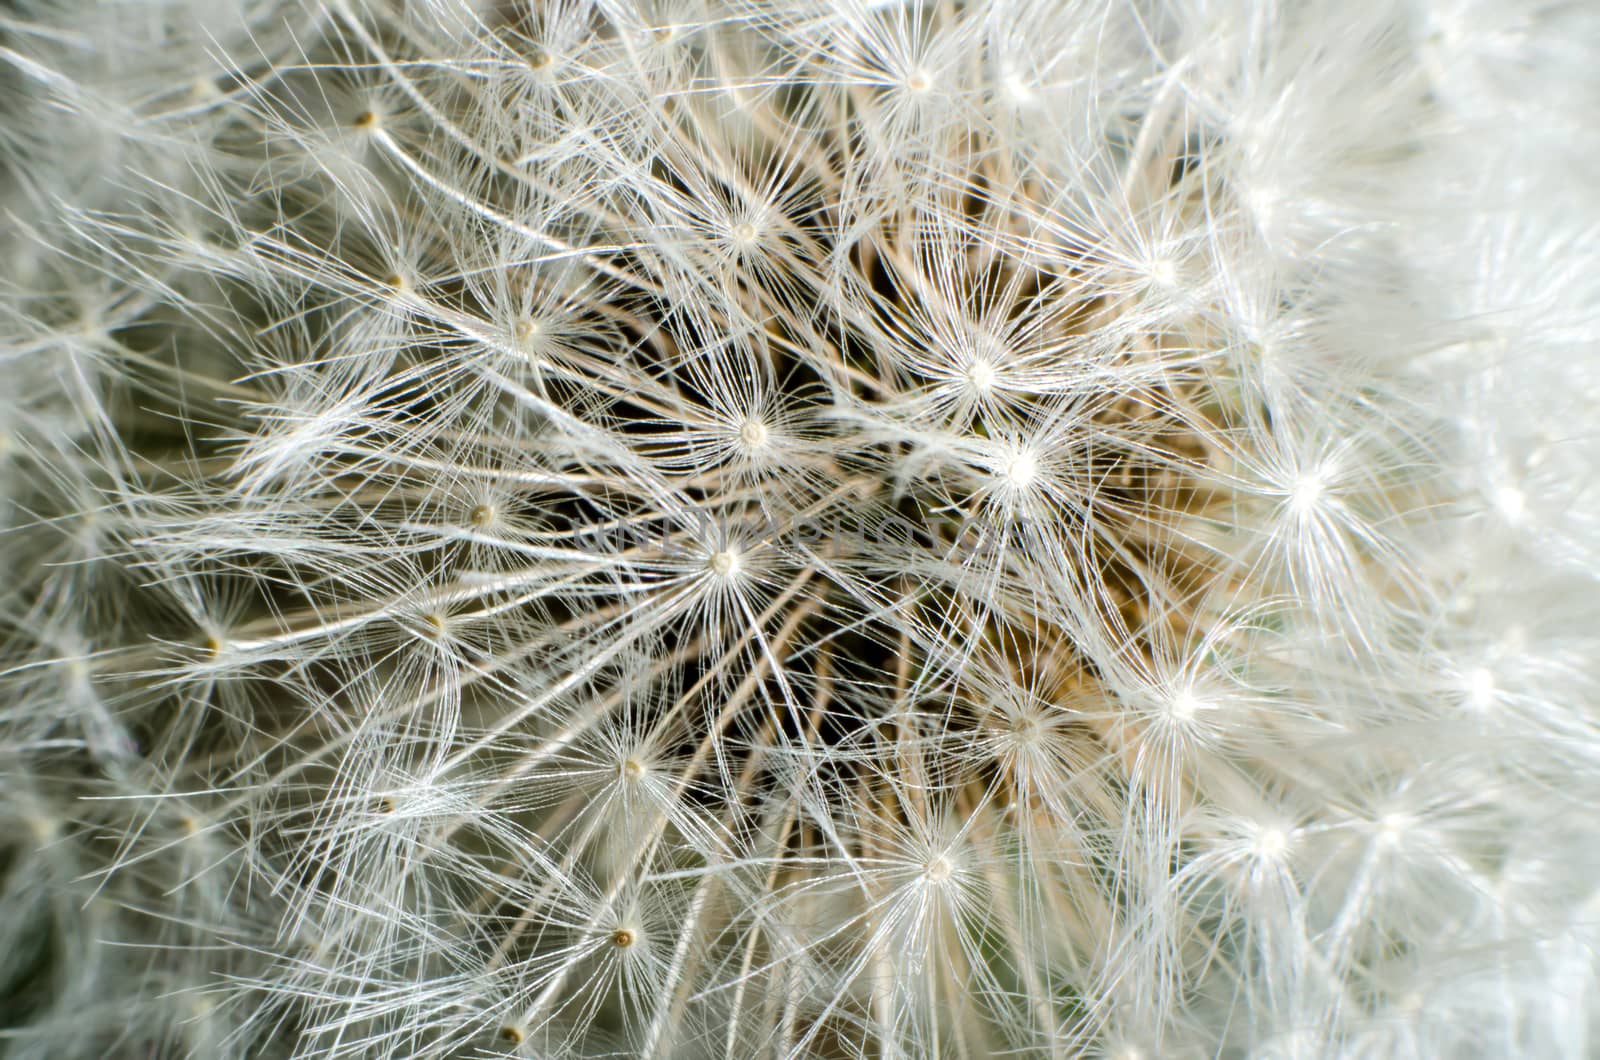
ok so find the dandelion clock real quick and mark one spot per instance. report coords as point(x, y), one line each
point(799, 528)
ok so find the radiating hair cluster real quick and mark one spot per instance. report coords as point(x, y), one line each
point(811, 528)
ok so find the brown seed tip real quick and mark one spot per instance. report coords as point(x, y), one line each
point(622, 938)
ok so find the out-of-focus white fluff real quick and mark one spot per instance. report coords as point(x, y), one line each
point(690, 528)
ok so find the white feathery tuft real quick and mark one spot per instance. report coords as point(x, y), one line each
point(819, 528)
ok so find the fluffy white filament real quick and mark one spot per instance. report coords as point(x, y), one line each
point(814, 528)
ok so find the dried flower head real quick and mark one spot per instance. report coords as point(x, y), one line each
point(831, 528)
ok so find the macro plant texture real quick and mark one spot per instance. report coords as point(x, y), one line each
point(799, 528)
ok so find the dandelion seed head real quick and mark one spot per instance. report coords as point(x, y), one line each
point(1017, 90)
point(1164, 273)
point(1184, 707)
point(1020, 469)
point(754, 433)
point(725, 563)
point(837, 529)
point(980, 376)
point(1307, 493)
point(1271, 843)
